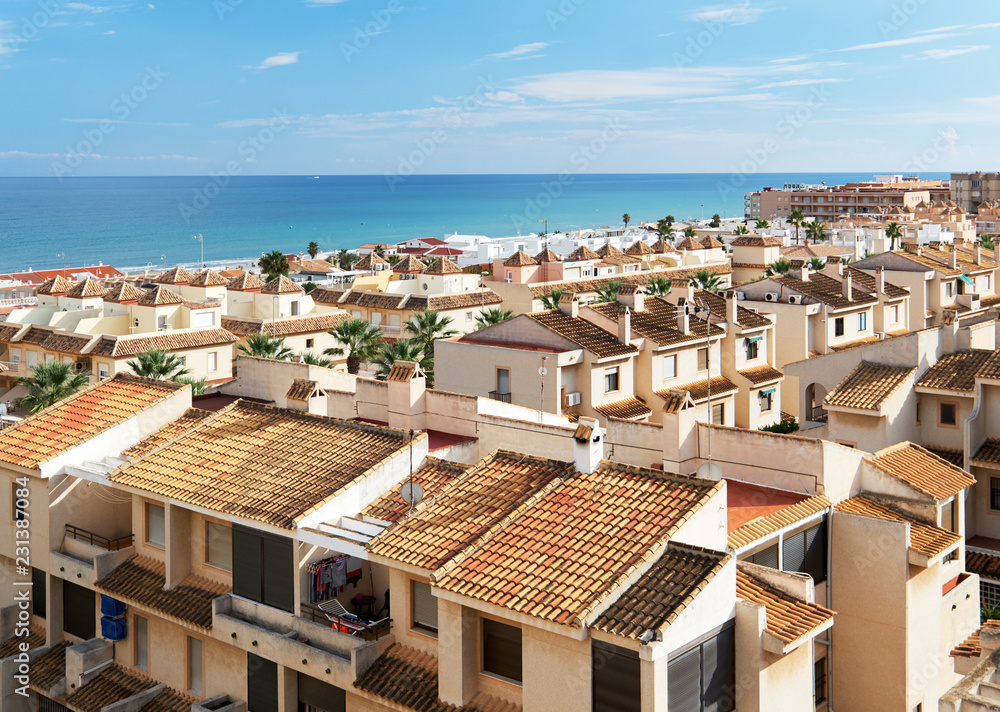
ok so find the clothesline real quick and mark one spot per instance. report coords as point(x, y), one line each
point(331, 576)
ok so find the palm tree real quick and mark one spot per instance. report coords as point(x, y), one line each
point(263, 346)
point(741, 230)
point(796, 218)
point(314, 360)
point(346, 260)
point(659, 286)
point(762, 225)
point(986, 242)
point(626, 218)
point(401, 350)
point(779, 268)
point(551, 300)
point(689, 232)
point(716, 220)
point(393, 260)
point(158, 364)
point(496, 315)
point(197, 384)
point(816, 264)
point(608, 292)
point(359, 341)
point(427, 327)
point(894, 232)
point(706, 279)
point(48, 383)
point(816, 231)
point(309, 286)
point(670, 219)
point(274, 263)
point(313, 249)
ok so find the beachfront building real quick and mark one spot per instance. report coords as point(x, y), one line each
point(970, 190)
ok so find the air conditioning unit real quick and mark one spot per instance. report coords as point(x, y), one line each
point(79, 366)
point(573, 399)
point(794, 298)
point(741, 296)
point(771, 297)
point(880, 335)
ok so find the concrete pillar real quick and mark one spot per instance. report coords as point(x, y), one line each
point(653, 684)
point(178, 540)
point(407, 398)
point(53, 610)
point(288, 690)
point(458, 653)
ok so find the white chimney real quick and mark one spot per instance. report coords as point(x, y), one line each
point(568, 304)
point(880, 279)
point(977, 254)
point(805, 272)
point(683, 320)
point(624, 324)
point(731, 307)
point(953, 258)
point(588, 445)
point(996, 251)
point(848, 287)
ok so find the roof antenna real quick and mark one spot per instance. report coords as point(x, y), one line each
point(411, 492)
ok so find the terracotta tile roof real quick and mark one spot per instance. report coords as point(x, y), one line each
point(809, 251)
point(86, 289)
point(125, 346)
point(288, 326)
point(547, 255)
point(170, 701)
point(581, 332)
point(35, 335)
point(929, 262)
point(432, 476)
point(721, 386)
point(660, 594)
point(761, 374)
point(519, 259)
point(443, 265)
point(661, 247)
point(373, 300)
point(177, 275)
point(870, 283)
point(467, 508)
point(639, 248)
point(658, 322)
point(246, 282)
point(745, 318)
point(45, 435)
point(281, 285)
point(608, 250)
point(159, 296)
point(301, 389)
point(923, 470)
point(762, 526)
point(49, 668)
point(9, 331)
point(698, 243)
point(409, 265)
point(370, 262)
point(12, 646)
point(991, 369)
point(113, 684)
point(756, 241)
point(191, 417)
point(124, 292)
point(955, 457)
point(582, 253)
point(444, 302)
point(322, 295)
point(263, 463)
point(674, 401)
point(970, 648)
point(788, 619)
point(868, 386)
point(989, 452)
point(627, 409)
point(985, 565)
point(560, 556)
point(925, 538)
point(140, 581)
point(826, 290)
point(54, 285)
point(956, 372)
point(209, 278)
point(588, 286)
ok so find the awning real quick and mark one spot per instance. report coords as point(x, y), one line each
point(967, 279)
point(754, 339)
point(768, 391)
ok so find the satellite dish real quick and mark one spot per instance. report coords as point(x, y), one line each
point(543, 372)
point(709, 471)
point(412, 493)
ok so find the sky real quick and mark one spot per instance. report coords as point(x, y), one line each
point(386, 87)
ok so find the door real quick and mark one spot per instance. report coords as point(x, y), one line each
point(503, 380)
point(262, 684)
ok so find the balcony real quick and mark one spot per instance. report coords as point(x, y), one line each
point(88, 556)
point(78, 534)
point(502, 397)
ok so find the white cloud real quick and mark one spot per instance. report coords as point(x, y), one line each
point(945, 53)
point(902, 41)
point(739, 13)
point(279, 60)
point(520, 50)
point(727, 98)
point(799, 83)
point(949, 28)
point(323, 3)
point(120, 121)
point(245, 123)
point(595, 85)
point(28, 154)
point(110, 32)
point(84, 7)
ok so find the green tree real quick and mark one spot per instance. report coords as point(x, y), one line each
point(626, 218)
point(659, 285)
point(706, 279)
point(309, 286)
point(762, 225)
point(346, 260)
point(393, 259)
point(197, 384)
point(741, 230)
point(264, 346)
point(716, 221)
point(665, 230)
point(401, 350)
point(986, 241)
point(379, 250)
point(314, 360)
point(313, 249)
point(274, 263)
point(779, 268)
point(551, 300)
point(359, 341)
point(816, 231)
point(495, 315)
point(48, 383)
point(796, 218)
point(670, 219)
point(428, 326)
point(158, 364)
point(689, 232)
point(894, 232)
point(608, 292)
point(816, 264)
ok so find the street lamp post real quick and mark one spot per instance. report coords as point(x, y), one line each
point(202, 241)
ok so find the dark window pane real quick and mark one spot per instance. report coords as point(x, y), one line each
point(815, 564)
point(262, 684)
point(995, 493)
point(684, 682)
point(278, 573)
point(615, 678)
point(321, 695)
point(38, 592)
point(820, 682)
point(246, 563)
point(718, 672)
point(502, 649)
point(79, 611)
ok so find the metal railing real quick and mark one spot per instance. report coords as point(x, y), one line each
point(502, 397)
point(348, 625)
point(18, 302)
point(817, 414)
point(74, 532)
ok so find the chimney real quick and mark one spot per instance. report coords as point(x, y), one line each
point(632, 296)
point(624, 324)
point(588, 445)
point(568, 305)
point(805, 272)
point(731, 307)
point(996, 251)
point(683, 320)
point(880, 279)
point(689, 293)
point(848, 287)
point(953, 258)
point(977, 254)
point(407, 396)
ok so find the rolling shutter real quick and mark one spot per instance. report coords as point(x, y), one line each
point(262, 684)
point(766, 557)
point(615, 678)
point(684, 683)
point(321, 695)
point(815, 564)
point(279, 571)
point(502, 649)
point(794, 552)
point(246, 563)
point(718, 672)
point(425, 610)
point(79, 611)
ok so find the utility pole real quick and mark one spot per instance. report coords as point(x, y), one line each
point(202, 241)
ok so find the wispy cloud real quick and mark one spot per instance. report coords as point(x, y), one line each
point(738, 13)
point(281, 59)
point(799, 83)
point(918, 39)
point(110, 32)
point(84, 7)
point(945, 53)
point(119, 121)
point(323, 3)
point(532, 48)
point(726, 98)
point(948, 28)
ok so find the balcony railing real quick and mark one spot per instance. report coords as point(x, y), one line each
point(502, 397)
point(88, 537)
point(346, 624)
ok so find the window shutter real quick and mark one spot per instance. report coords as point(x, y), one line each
point(502, 649)
point(615, 678)
point(79, 611)
point(718, 672)
point(815, 564)
point(321, 695)
point(246, 563)
point(794, 552)
point(262, 684)
point(278, 574)
point(38, 581)
point(684, 683)
point(425, 611)
point(766, 557)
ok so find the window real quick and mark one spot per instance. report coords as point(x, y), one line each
point(204, 318)
point(18, 505)
point(611, 379)
point(310, 343)
point(510, 276)
point(995, 494)
point(155, 525)
point(669, 367)
point(894, 315)
point(79, 611)
point(318, 696)
point(468, 316)
point(263, 568)
point(32, 359)
point(262, 684)
point(614, 678)
point(182, 360)
point(425, 610)
point(161, 323)
point(15, 355)
point(195, 670)
point(948, 415)
point(295, 308)
point(819, 677)
point(102, 371)
point(766, 400)
point(503, 381)
point(141, 627)
point(862, 321)
point(805, 552)
point(766, 557)
point(838, 326)
point(949, 289)
point(502, 650)
point(49, 358)
point(719, 414)
point(989, 593)
point(702, 359)
point(213, 362)
point(948, 517)
point(703, 679)
point(38, 581)
point(752, 349)
point(219, 546)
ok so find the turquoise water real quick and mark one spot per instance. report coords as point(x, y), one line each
point(134, 222)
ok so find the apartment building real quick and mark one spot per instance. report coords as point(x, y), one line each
point(970, 190)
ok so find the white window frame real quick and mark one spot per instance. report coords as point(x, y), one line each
point(213, 361)
point(670, 373)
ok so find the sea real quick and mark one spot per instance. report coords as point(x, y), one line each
point(136, 223)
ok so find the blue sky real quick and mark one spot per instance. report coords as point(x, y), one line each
point(111, 87)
